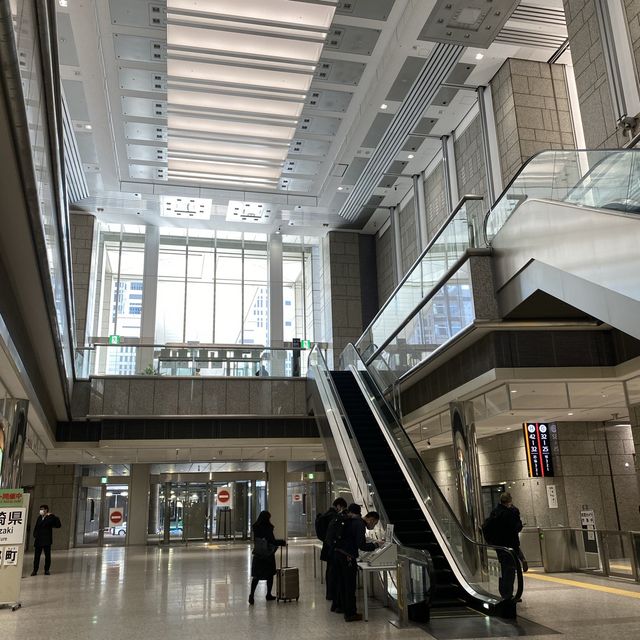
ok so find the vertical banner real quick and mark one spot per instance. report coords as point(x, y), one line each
point(14, 508)
point(538, 445)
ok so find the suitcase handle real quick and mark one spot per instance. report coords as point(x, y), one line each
point(285, 546)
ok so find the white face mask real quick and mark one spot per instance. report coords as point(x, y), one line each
point(42, 512)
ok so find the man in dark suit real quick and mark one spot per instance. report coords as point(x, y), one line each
point(43, 534)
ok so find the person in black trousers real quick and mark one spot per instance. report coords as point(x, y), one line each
point(345, 559)
point(322, 524)
point(263, 564)
point(43, 534)
point(504, 526)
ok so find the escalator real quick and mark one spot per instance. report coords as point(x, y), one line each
point(374, 463)
point(402, 508)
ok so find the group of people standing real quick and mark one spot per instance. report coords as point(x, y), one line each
point(342, 530)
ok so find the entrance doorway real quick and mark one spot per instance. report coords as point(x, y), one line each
point(103, 510)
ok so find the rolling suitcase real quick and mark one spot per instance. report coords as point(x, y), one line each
point(287, 580)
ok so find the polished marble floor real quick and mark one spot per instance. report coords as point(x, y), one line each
point(200, 592)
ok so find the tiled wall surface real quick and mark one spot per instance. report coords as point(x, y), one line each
point(82, 228)
point(632, 7)
point(585, 474)
point(408, 235)
point(471, 169)
point(384, 261)
point(594, 94)
point(436, 203)
point(158, 396)
point(55, 485)
point(346, 303)
point(531, 108)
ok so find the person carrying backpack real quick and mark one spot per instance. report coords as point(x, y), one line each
point(501, 528)
point(323, 522)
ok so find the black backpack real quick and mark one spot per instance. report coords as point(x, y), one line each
point(491, 528)
point(322, 523)
point(335, 530)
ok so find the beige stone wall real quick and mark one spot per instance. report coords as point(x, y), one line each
point(346, 303)
point(532, 114)
point(471, 170)
point(384, 261)
point(408, 236)
point(436, 203)
point(82, 232)
point(56, 486)
point(583, 475)
point(632, 7)
point(594, 95)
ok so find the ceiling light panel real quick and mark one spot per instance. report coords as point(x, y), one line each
point(238, 75)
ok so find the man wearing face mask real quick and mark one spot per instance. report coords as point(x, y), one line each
point(43, 534)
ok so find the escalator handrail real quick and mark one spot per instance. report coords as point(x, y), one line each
point(408, 471)
point(525, 166)
point(359, 460)
point(449, 273)
point(469, 197)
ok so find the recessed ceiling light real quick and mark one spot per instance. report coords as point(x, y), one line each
point(340, 188)
point(411, 156)
point(479, 56)
point(63, 3)
point(514, 391)
point(88, 126)
point(570, 413)
point(384, 105)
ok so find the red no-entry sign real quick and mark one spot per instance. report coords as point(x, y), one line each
point(115, 517)
point(224, 497)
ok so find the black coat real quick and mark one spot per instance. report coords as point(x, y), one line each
point(508, 526)
point(264, 568)
point(43, 529)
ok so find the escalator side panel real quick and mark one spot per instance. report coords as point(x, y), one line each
point(411, 528)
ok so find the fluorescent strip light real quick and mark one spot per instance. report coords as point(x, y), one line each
point(248, 105)
point(288, 11)
point(239, 75)
point(207, 167)
point(221, 148)
point(213, 177)
point(230, 128)
point(242, 43)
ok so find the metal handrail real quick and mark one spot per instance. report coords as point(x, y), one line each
point(434, 290)
point(416, 483)
point(530, 160)
point(466, 198)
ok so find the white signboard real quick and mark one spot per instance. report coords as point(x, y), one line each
point(224, 497)
point(12, 524)
point(588, 522)
point(552, 496)
point(9, 556)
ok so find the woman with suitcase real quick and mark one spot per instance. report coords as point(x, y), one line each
point(263, 564)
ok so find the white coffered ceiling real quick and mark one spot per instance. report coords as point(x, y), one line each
point(277, 102)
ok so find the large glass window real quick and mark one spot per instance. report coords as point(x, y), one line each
point(212, 288)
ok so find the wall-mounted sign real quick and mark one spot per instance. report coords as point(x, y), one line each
point(552, 496)
point(12, 523)
point(296, 497)
point(305, 344)
point(224, 497)
point(538, 444)
point(114, 339)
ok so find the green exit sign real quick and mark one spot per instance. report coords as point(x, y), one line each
point(305, 344)
point(114, 339)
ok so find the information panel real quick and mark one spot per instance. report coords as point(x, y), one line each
point(538, 444)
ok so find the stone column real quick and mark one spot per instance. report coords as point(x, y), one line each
point(277, 496)
point(276, 366)
point(397, 243)
point(604, 36)
point(82, 232)
point(144, 357)
point(56, 487)
point(138, 512)
point(531, 109)
point(420, 211)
